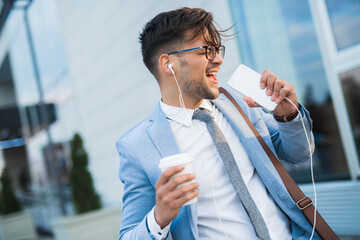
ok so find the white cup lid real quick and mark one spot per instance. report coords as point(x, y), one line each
point(174, 160)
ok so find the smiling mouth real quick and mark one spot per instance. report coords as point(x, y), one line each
point(212, 77)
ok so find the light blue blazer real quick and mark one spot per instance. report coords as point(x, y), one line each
point(142, 147)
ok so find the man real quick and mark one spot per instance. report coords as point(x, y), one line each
point(152, 203)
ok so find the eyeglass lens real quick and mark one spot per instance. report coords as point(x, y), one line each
point(211, 52)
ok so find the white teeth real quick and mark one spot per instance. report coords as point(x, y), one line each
point(212, 73)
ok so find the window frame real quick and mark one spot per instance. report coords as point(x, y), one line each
point(335, 63)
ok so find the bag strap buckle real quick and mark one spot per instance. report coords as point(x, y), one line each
point(304, 203)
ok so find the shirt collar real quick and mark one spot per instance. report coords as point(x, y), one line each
point(183, 116)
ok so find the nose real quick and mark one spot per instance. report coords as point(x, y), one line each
point(217, 60)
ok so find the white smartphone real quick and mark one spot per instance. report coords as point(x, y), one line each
point(247, 82)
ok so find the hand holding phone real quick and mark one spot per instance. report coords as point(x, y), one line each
point(247, 82)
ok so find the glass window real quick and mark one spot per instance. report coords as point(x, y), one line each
point(350, 82)
point(50, 59)
point(345, 21)
point(280, 36)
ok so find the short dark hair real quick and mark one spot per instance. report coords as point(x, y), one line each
point(166, 29)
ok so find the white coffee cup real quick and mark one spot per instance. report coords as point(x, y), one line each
point(179, 159)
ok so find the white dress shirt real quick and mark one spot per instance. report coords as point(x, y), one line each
point(193, 137)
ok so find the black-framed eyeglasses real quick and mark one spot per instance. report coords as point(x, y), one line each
point(210, 51)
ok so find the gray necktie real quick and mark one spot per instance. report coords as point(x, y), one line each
point(234, 173)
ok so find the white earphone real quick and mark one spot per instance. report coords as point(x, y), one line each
point(171, 69)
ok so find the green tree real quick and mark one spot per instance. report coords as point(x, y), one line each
point(9, 203)
point(84, 195)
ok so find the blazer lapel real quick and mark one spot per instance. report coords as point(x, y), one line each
point(259, 158)
point(160, 133)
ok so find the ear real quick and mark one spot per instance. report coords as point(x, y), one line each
point(164, 61)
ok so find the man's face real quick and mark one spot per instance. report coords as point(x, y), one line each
point(197, 75)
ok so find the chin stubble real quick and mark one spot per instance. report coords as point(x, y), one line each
point(192, 88)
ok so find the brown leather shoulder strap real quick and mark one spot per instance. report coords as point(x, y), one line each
point(303, 202)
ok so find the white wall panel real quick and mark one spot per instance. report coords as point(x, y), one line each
point(338, 204)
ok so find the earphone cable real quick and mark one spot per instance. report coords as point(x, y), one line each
point(182, 104)
point(311, 167)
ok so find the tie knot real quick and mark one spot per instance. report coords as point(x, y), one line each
point(202, 115)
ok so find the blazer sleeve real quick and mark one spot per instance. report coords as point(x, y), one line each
point(289, 138)
point(138, 197)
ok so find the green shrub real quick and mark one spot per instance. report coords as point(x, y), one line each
point(8, 201)
point(84, 195)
